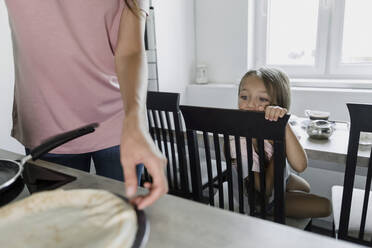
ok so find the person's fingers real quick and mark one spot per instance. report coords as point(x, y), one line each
point(156, 190)
point(277, 114)
point(130, 178)
point(147, 200)
point(267, 112)
point(261, 108)
point(283, 112)
point(136, 200)
point(147, 185)
point(159, 186)
point(271, 114)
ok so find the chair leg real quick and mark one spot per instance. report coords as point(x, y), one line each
point(333, 230)
point(309, 225)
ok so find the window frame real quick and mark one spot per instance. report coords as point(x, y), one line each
point(328, 57)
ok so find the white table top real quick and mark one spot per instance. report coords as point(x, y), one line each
point(333, 149)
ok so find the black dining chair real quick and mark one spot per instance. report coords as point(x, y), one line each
point(165, 126)
point(209, 131)
point(352, 207)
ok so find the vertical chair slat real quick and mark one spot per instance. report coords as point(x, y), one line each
point(157, 129)
point(165, 147)
point(219, 169)
point(261, 155)
point(366, 198)
point(229, 171)
point(279, 167)
point(173, 157)
point(181, 151)
point(239, 165)
point(150, 120)
point(348, 184)
point(209, 168)
point(192, 141)
point(251, 180)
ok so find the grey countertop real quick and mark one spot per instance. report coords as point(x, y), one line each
point(175, 222)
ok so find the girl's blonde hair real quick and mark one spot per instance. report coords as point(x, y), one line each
point(276, 83)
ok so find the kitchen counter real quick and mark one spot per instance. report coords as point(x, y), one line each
point(175, 222)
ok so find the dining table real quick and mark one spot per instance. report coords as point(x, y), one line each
point(177, 222)
point(330, 150)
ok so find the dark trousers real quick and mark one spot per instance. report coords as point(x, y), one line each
point(106, 162)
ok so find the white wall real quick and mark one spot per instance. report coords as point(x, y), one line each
point(332, 100)
point(222, 36)
point(6, 84)
point(175, 37)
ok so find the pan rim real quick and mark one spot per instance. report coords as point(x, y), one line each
point(143, 230)
point(14, 178)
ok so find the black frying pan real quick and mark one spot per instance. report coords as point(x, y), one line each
point(11, 170)
point(143, 226)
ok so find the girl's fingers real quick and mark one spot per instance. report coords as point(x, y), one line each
point(283, 112)
point(277, 114)
point(267, 112)
point(273, 113)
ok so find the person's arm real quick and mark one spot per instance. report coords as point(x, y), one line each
point(136, 143)
point(295, 153)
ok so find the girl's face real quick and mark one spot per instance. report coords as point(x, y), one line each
point(253, 95)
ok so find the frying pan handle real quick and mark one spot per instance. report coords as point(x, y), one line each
point(60, 139)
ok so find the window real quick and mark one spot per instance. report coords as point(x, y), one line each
point(315, 38)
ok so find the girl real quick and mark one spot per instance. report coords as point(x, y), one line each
point(78, 62)
point(268, 90)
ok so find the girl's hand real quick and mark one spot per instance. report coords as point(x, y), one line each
point(272, 113)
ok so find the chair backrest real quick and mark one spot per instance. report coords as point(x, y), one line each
point(361, 121)
point(165, 126)
point(220, 125)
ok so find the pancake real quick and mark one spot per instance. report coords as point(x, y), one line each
point(68, 218)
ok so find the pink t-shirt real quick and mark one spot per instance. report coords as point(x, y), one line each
point(64, 71)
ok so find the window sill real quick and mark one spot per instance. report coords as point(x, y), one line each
point(348, 84)
point(332, 83)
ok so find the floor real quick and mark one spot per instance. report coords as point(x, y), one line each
point(322, 227)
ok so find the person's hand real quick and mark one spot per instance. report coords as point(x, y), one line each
point(137, 147)
point(272, 113)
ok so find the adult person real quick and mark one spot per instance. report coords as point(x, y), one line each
point(78, 62)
